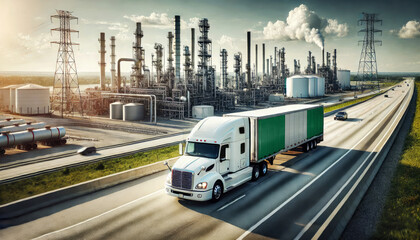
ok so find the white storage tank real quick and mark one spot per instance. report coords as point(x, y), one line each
point(133, 112)
point(116, 110)
point(312, 86)
point(276, 97)
point(343, 77)
point(297, 87)
point(202, 111)
point(32, 99)
point(4, 98)
point(321, 86)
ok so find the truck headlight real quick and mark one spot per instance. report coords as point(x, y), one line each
point(169, 179)
point(202, 185)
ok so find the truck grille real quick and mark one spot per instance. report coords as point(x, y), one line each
point(181, 179)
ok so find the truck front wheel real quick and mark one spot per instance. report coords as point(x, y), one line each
point(217, 191)
point(255, 172)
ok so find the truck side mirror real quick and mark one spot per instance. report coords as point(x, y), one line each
point(180, 149)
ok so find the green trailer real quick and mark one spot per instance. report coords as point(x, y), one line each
point(279, 129)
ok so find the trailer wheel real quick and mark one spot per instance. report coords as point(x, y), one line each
point(263, 168)
point(315, 144)
point(312, 145)
point(35, 146)
point(2, 151)
point(217, 191)
point(255, 173)
point(306, 147)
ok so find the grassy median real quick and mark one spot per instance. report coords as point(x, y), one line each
point(351, 102)
point(69, 176)
point(401, 216)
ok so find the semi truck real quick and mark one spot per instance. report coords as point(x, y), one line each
point(222, 153)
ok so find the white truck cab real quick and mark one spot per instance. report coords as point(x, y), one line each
point(216, 159)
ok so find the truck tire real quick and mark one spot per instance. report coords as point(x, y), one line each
point(263, 168)
point(306, 147)
point(312, 145)
point(315, 144)
point(217, 191)
point(255, 172)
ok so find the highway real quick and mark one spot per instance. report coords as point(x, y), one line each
point(298, 201)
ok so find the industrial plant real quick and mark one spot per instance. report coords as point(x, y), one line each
point(163, 90)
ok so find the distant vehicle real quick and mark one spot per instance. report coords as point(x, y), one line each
point(393, 89)
point(87, 150)
point(340, 116)
point(386, 95)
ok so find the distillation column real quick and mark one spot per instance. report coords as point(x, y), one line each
point(113, 71)
point(223, 68)
point(102, 59)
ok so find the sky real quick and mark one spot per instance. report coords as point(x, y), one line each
point(298, 26)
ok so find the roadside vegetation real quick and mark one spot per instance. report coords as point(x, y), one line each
point(348, 103)
point(70, 176)
point(401, 215)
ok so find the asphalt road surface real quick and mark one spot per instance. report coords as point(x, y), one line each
point(297, 202)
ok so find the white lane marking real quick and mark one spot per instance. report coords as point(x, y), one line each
point(227, 205)
point(332, 215)
point(305, 187)
point(98, 216)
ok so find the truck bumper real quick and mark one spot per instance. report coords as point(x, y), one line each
point(188, 194)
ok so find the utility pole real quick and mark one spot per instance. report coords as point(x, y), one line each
point(66, 93)
point(368, 69)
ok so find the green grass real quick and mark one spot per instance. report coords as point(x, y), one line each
point(401, 215)
point(69, 176)
point(345, 104)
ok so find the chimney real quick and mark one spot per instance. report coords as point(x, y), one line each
point(248, 65)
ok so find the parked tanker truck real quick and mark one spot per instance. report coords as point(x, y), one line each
point(222, 153)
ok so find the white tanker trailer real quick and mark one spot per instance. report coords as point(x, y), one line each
point(27, 140)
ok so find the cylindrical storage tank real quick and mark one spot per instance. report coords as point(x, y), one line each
point(32, 99)
point(202, 111)
point(133, 112)
point(12, 101)
point(297, 87)
point(116, 110)
point(22, 127)
point(312, 86)
point(321, 86)
point(11, 122)
point(4, 98)
point(343, 77)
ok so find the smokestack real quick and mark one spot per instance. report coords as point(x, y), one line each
point(323, 60)
point(113, 79)
point(256, 62)
point(313, 65)
point(263, 45)
point(248, 65)
point(192, 48)
point(102, 60)
point(268, 68)
point(177, 47)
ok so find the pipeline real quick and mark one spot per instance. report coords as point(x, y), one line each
point(22, 127)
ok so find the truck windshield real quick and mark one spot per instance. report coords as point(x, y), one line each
point(202, 150)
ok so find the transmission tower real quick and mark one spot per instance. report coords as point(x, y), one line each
point(367, 75)
point(66, 93)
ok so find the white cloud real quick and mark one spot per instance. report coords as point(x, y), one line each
point(192, 23)
point(35, 44)
point(159, 20)
point(225, 41)
point(410, 30)
point(121, 28)
point(303, 24)
point(334, 27)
